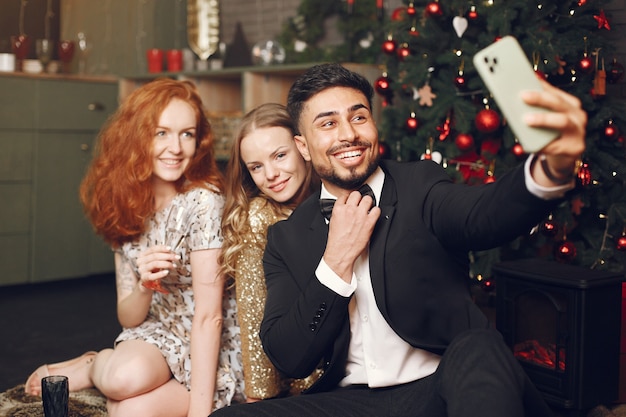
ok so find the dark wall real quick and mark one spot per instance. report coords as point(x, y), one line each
point(34, 23)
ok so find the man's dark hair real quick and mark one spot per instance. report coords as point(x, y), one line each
point(319, 78)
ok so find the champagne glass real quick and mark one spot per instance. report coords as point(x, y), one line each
point(44, 49)
point(177, 228)
point(66, 53)
point(84, 47)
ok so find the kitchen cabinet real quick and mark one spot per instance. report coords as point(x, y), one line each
point(229, 93)
point(48, 125)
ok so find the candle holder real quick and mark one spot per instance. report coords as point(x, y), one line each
point(84, 48)
point(44, 49)
point(66, 54)
point(20, 46)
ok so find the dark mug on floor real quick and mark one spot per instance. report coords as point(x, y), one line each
point(55, 396)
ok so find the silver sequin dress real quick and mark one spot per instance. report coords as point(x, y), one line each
point(168, 325)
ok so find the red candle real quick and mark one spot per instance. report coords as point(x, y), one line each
point(155, 59)
point(174, 60)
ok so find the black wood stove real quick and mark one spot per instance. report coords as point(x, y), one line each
point(563, 324)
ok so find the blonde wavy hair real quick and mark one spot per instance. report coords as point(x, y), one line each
point(241, 189)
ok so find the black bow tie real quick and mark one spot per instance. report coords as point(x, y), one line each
point(327, 204)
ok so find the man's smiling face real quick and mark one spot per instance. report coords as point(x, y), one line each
point(339, 137)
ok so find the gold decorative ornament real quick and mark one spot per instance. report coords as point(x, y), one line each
point(203, 27)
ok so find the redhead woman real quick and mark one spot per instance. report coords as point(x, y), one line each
point(267, 179)
point(178, 351)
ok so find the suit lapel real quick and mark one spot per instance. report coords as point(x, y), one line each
point(378, 241)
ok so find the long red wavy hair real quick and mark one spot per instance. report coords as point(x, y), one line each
point(116, 191)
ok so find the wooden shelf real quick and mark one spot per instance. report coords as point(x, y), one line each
point(229, 93)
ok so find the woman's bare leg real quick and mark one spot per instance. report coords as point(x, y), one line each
point(168, 400)
point(134, 367)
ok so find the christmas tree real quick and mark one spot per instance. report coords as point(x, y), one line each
point(437, 107)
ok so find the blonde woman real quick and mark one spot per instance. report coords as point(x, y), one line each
point(266, 179)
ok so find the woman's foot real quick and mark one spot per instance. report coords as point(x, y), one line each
point(76, 370)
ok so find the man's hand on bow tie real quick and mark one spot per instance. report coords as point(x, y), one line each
point(349, 232)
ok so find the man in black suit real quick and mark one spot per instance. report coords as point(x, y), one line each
point(377, 296)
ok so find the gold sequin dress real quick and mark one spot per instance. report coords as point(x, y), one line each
point(262, 380)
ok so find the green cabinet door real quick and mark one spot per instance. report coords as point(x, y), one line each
point(64, 245)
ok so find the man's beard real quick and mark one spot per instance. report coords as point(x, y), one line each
point(354, 181)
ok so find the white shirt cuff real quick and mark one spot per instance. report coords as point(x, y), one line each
point(327, 277)
point(545, 193)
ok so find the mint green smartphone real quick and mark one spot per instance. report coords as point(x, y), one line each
point(506, 71)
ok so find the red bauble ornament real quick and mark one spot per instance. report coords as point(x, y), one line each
point(459, 81)
point(620, 243)
point(518, 150)
point(488, 284)
point(472, 14)
point(565, 251)
point(403, 51)
point(584, 174)
point(549, 228)
point(383, 86)
point(487, 121)
point(389, 46)
point(398, 14)
point(412, 123)
point(411, 11)
point(611, 132)
point(433, 9)
point(585, 65)
point(490, 147)
point(464, 142)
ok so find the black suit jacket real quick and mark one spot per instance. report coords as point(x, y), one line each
point(418, 263)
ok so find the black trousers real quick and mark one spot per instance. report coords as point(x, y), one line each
point(478, 377)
